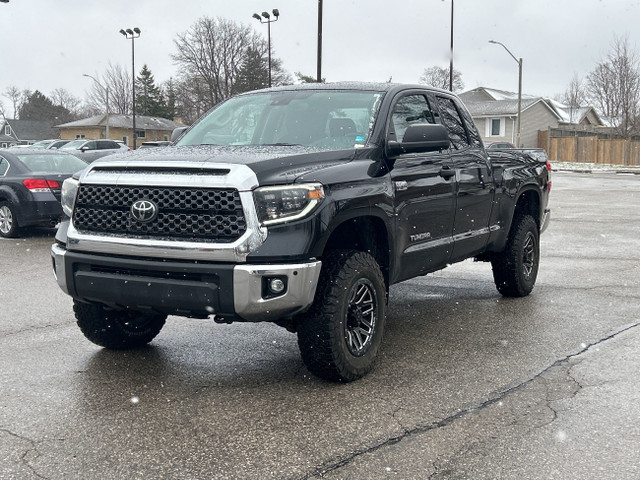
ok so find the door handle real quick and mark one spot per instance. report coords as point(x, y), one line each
point(447, 172)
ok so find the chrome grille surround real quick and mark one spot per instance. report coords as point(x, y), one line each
point(227, 232)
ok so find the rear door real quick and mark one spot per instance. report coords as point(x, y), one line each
point(424, 194)
point(473, 181)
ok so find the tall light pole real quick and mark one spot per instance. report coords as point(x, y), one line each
point(319, 66)
point(451, 53)
point(106, 89)
point(519, 62)
point(266, 18)
point(132, 34)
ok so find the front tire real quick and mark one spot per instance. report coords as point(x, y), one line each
point(516, 268)
point(116, 329)
point(8, 221)
point(340, 336)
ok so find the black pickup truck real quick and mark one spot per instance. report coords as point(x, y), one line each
point(298, 205)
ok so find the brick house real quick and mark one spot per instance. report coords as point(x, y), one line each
point(120, 126)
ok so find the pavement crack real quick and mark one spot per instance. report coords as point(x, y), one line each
point(23, 457)
point(333, 465)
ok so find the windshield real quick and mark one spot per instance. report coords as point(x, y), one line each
point(41, 144)
point(73, 144)
point(57, 163)
point(321, 118)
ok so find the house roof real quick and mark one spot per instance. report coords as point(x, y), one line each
point(31, 130)
point(143, 122)
point(488, 102)
point(505, 108)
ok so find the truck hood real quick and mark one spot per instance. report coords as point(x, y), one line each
point(271, 164)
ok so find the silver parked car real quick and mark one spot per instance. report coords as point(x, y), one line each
point(90, 150)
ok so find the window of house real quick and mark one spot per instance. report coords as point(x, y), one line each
point(495, 127)
point(4, 145)
point(166, 138)
point(79, 136)
point(125, 140)
point(7, 130)
point(141, 134)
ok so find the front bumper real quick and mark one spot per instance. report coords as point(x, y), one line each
point(192, 289)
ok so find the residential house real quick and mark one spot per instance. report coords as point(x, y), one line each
point(120, 128)
point(495, 113)
point(24, 132)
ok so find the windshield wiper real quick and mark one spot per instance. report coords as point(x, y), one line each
point(281, 144)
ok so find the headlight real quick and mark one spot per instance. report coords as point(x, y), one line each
point(69, 192)
point(287, 203)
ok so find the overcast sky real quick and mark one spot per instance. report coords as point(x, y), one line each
point(47, 44)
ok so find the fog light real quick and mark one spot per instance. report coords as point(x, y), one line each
point(276, 285)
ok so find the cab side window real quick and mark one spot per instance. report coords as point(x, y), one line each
point(453, 121)
point(410, 110)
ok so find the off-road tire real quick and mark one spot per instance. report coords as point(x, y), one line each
point(8, 221)
point(341, 334)
point(116, 329)
point(516, 268)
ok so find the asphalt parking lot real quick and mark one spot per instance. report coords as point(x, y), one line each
point(469, 385)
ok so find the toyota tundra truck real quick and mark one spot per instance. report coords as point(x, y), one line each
point(298, 205)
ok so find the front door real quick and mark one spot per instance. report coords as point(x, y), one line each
point(424, 195)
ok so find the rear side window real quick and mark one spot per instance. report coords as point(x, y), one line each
point(107, 145)
point(410, 110)
point(453, 121)
point(4, 166)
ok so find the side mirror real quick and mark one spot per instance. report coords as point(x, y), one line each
point(177, 133)
point(84, 149)
point(420, 139)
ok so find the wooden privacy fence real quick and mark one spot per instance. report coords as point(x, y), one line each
point(590, 149)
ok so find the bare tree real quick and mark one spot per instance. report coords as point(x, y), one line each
point(118, 80)
point(64, 98)
point(614, 87)
point(210, 55)
point(17, 98)
point(574, 97)
point(439, 77)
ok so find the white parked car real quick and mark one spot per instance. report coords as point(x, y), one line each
point(90, 150)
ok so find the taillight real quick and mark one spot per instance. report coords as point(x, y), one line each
point(549, 176)
point(40, 184)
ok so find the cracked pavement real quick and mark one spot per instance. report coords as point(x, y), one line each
point(469, 385)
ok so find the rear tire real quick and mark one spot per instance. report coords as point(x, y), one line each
point(515, 269)
point(116, 329)
point(340, 336)
point(8, 221)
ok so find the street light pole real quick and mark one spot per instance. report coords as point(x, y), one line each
point(268, 21)
point(319, 60)
point(106, 89)
point(132, 34)
point(451, 57)
point(519, 62)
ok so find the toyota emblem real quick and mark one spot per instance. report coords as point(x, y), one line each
point(144, 210)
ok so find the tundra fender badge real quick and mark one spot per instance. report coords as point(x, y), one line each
point(144, 210)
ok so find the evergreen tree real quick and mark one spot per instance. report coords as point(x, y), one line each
point(40, 107)
point(149, 100)
point(253, 73)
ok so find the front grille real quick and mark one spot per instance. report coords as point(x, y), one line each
point(190, 214)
